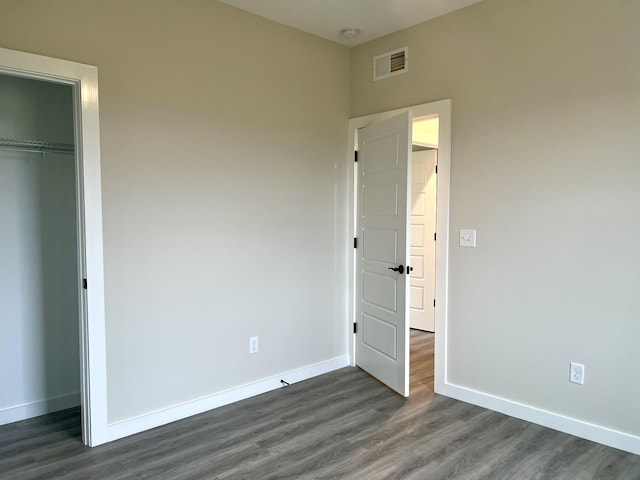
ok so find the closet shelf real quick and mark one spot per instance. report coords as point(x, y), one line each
point(36, 146)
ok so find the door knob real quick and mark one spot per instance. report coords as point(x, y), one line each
point(399, 269)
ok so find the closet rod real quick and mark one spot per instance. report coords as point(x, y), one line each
point(36, 146)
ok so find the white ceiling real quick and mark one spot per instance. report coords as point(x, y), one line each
point(325, 18)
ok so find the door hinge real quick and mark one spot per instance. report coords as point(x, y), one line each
point(355, 242)
point(84, 283)
point(355, 156)
point(355, 327)
point(434, 303)
point(436, 168)
point(434, 236)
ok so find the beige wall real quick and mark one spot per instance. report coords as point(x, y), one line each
point(545, 165)
point(223, 189)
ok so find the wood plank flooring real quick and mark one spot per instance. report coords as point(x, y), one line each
point(343, 425)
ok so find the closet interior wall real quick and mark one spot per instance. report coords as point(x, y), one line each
point(39, 349)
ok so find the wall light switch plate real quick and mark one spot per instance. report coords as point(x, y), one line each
point(467, 238)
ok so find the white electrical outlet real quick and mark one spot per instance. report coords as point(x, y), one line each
point(576, 373)
point(253, 345)
point(467, 238)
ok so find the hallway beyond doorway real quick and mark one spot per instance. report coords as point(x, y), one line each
point(421, 366)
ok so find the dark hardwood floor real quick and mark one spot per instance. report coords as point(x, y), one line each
point(343, 425)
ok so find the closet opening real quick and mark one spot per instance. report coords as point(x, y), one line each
point(46, 157)
point(40, 278)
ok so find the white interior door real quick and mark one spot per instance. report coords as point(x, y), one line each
point(382, 337)
point(423, 245)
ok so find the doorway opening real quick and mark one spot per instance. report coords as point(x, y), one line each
point(439, 114)
point(76, 164)
point(39, 281)
point(423, 188)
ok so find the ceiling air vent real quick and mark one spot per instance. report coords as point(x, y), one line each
point(391, 63)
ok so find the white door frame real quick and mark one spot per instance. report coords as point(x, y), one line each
point(84, 81)
point(442, 109)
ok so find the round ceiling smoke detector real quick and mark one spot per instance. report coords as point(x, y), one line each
point(349, 33)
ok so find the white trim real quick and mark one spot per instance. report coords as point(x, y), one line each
point(442, 109)
point(40, 407)
point(178, 412)
point(572, 426)
point(84, 80)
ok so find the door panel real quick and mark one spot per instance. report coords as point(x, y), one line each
point(379, 335)
point(381, 154)
point(416, 298)
point(417, 262)
point(380, 245)
point(380, 291)
point(423, 225)
point(417, 235)
point(417, 204)
point(382, 338)
point(380, 200)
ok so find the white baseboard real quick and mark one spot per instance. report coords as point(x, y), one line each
point(37, 408)
point(139, 424)
point(579, 428)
